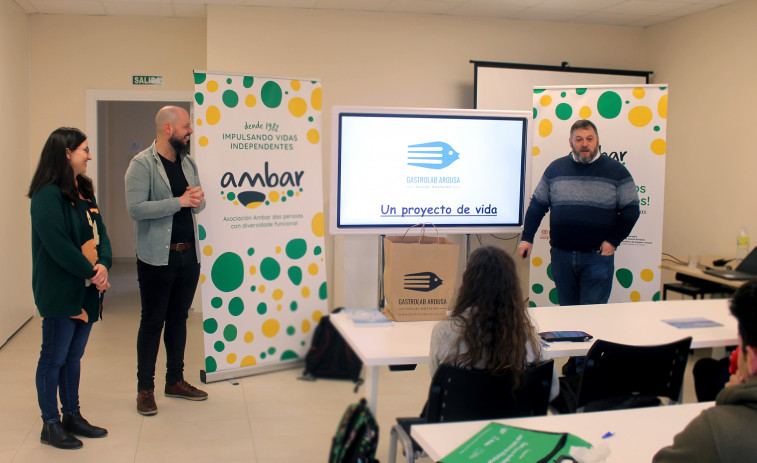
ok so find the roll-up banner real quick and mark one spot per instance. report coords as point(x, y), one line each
point(257, 142)
point(631, 121)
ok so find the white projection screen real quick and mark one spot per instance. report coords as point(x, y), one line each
point(510, 85)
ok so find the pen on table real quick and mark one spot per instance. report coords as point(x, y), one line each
point(607, 435)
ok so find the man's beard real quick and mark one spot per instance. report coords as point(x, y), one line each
point(580, 160)
point(179, 146)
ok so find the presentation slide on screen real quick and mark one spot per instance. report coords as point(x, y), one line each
point(452, 170)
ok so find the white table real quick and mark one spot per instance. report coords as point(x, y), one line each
point(637, 433)
point(637, 323)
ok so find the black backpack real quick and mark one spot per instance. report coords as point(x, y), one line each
point(356, 437)
point(330, 356)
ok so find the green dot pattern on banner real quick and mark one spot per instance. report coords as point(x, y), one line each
point(317, 251)
point(609, 105)
point(230, 332)
point(540, 90)
point(263, 355)
point(199, 98)
point(210, 365)
point(201, 232)
point(230, 98)
point(262, 308)
point(580, 91)
point(553, 296)
point(624, 277)
point(291, 331)
point(200, 77)
point(228, 81)
point(531, 304)
point(549, 272)
point(210, 325)
point(657, 128)
point(293, 306)
point(310, 119)
point(271, 350)
point(295, 275)
point(219, 346)
point(563, 94)
point(290, 193)
point(563, 111)
point(250, 251)
point(289, 355)
point(656, 296)
point(230, 196)
point(247, 81)
point(537, 288)
point(253, 288)
point(270, 269)
point(535, 113)
point(323, 293)
point(236, 306)
point(227, 272)
point(271, 94)
point(216, 302)
point(296, 248)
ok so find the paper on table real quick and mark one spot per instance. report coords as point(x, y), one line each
point(694, 322)
point(367, 317)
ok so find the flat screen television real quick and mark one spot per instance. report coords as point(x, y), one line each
point(463, 170)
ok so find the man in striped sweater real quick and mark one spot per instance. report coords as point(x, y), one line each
point(594, 205)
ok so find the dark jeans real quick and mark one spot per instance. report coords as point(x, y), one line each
point(166, 292)
point(59, 366)
point(582, 277)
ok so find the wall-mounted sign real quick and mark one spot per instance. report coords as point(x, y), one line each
point(146, 80)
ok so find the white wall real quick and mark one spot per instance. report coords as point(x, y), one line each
point(15, 234)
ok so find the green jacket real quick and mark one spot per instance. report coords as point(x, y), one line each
point(59, 269)
point(723, 433)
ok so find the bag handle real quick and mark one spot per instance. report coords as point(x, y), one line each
point(423, 232)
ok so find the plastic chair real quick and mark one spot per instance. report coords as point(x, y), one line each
point(624, 376)
point(460, 394)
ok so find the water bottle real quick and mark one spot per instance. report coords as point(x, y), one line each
point(742, 243)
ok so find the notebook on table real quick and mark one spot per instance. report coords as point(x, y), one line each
point(746, 270)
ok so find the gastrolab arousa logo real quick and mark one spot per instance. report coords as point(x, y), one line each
point(422, 281)
point(434, 155)
point(254, 189)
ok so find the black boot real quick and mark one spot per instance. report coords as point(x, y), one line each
point(76, 424)
point(54, 434)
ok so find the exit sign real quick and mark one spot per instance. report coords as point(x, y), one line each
point(147, 80)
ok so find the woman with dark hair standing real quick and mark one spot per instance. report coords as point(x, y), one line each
point(489, 327)
point(71, 256)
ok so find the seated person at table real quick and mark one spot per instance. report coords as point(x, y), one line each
point(726, 432)
point(489, 327)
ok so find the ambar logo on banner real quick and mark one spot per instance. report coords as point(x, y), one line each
point(265, 181)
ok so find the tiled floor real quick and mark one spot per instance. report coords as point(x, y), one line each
point(268, 418)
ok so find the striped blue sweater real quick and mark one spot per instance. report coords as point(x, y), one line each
point(589, 203)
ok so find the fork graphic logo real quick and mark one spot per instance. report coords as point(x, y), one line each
point(423, 281)
point(435, 155)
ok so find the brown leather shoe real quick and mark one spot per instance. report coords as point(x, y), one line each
point(184, 390)
point(146, 402)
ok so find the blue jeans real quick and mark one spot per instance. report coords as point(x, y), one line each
point(166, 292)
point(582, 277)
point(59, 367)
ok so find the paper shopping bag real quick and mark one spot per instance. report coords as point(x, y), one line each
point(419, 277)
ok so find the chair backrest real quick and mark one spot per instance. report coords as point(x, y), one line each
point(616, 370)
point(460, 394)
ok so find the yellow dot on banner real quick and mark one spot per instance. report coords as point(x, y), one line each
point(270, 327)
point(546, 100)
point(297, 107)
point(213, 115)
point(212, 86)
point(278, 249)
point(261, 288)
point(203, 141)
point(585, 112)
point(317, 224)
point(236, 203)
point(635, 296)
point(536, 261)
point(248, 361)
point(207, 250)
point(639, 93)
point(250, 100)
point(253, 270)
point(231, 358)
point(199, 122)
point(658, 146)
point(305, 326)
point(662, 106)
point(313, 269)
point(315, 99)
point(545, 128)
point(317, 316)
point(278, 307)
point(273, 196)
point(640, 116)
point(278, 294)
point(536, 151)
point(202, 278)
point(295, 84)
point(249, 337)
point(647, 274)
point(305, 291)
point(313, 136)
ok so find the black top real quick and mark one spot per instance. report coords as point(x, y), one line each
point(182, 230)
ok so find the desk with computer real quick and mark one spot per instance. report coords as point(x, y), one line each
point(710, 277)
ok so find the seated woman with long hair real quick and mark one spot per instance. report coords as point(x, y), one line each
point(489, 327)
